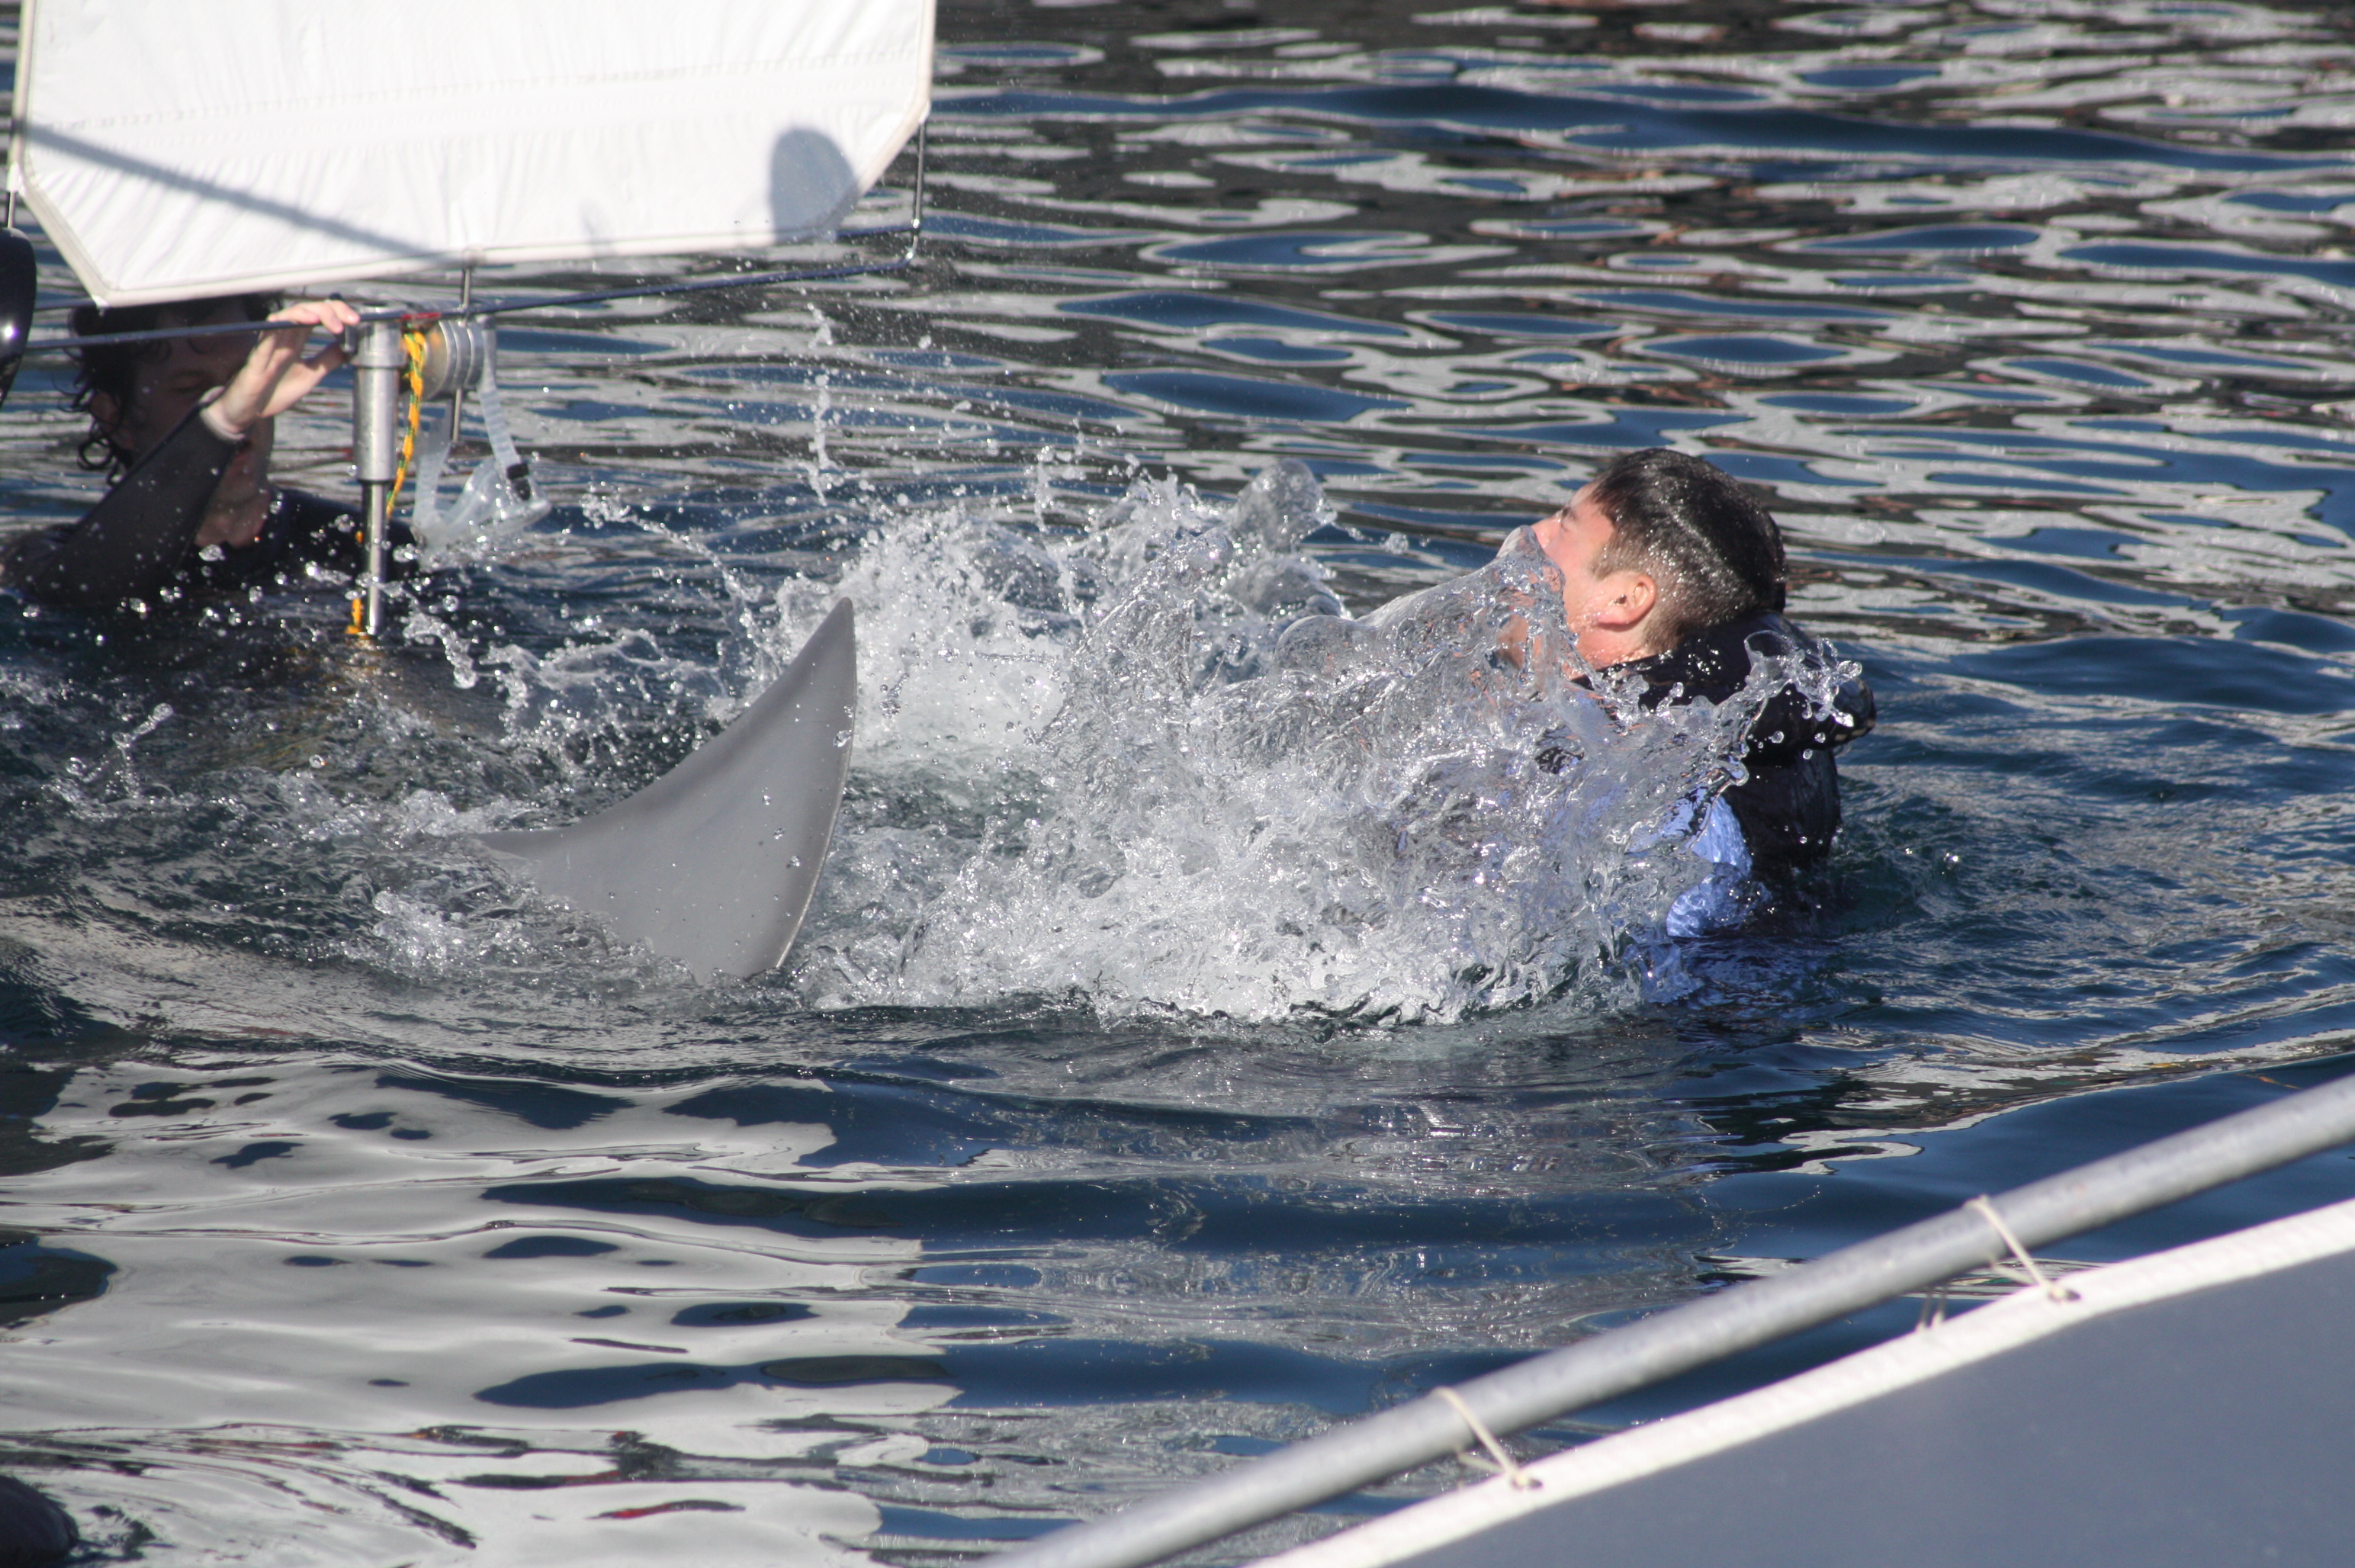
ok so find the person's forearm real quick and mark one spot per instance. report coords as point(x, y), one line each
point(139, 536)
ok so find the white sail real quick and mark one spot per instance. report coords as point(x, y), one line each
point(179, 148)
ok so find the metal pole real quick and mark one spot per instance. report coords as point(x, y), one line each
point(916, 199)
point(1755, 1313)
point(376, 405)
point(401, 313)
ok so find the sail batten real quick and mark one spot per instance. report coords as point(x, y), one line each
point(173, 151)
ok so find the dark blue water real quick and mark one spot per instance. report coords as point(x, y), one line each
point(361, 1210)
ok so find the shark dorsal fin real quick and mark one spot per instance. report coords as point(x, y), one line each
point(713, 864)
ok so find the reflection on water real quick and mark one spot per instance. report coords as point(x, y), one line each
point(1116, 1119)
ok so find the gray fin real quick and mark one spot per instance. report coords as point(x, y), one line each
point(713, 863)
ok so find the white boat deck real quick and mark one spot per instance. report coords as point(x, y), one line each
point(2193, 1407)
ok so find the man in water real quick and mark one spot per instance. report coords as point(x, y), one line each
point(186, 427)
point(1672, 571)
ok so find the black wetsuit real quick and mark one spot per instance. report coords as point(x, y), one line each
point(139, 540)
point(1789, 806)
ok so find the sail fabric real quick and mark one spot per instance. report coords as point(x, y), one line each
point(173, 150)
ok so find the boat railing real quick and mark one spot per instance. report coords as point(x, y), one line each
point(1741, 1317)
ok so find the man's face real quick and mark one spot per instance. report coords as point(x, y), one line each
point(163, 390)
point(1572, 538)
point(1607, 613)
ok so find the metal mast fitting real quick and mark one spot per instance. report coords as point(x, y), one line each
point(377, 363)
point(456, 353)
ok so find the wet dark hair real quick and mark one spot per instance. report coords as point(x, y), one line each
point(113, 368)
point(1715, 550)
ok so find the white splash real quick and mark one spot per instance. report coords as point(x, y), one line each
point(1149, 767)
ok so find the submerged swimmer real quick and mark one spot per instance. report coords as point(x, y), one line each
point(1672, 572)
point(186, 427)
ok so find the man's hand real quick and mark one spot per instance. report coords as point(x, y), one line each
point(276, 375)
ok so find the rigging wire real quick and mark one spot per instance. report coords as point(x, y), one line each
point(407, 314)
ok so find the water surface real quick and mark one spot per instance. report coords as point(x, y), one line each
point(1117, 1118)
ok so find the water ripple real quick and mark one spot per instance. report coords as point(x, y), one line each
point(360, 1207)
